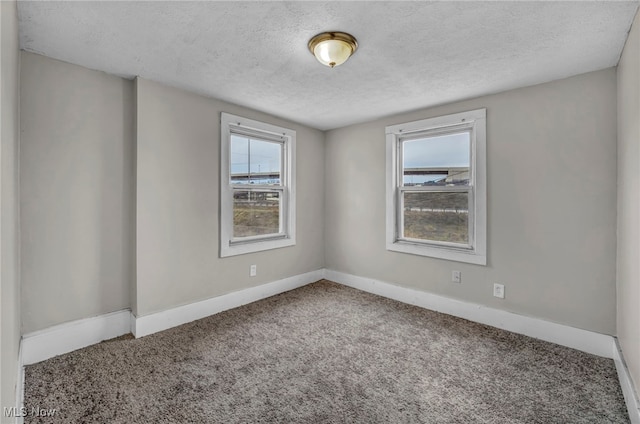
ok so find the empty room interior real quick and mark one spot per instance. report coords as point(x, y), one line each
point(371, 212)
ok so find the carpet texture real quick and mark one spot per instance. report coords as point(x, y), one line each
point(325, 353)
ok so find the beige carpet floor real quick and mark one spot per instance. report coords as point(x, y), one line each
point(325, 353)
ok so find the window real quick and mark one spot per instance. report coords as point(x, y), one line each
point(257, 186)
point(436, 187)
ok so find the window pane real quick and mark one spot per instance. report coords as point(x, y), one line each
point(439, 160)
point(255, 161)
point(255, 213)
point(437, 216)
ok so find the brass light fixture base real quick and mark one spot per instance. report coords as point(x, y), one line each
point(348, 41)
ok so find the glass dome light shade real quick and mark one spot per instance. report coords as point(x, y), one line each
point(333, 48)
point(332, 52)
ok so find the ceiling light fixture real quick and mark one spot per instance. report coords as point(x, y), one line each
point(333, 48)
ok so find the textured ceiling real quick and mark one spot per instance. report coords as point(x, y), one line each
point(411, 54)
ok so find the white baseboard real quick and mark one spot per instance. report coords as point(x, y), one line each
point(44, 344)
point(152, 323)
point(586, 341)
point(41, 345)
point(63, 338)
point(20, 386)
point(628, 390)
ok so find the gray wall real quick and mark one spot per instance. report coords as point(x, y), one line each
point(9, 199)
point(551, 160)
point(551, 225)
point(79, 158)
point(76, 172)
point(178, 146)
point(629, 202)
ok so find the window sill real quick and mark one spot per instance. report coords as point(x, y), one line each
point(451, 254)
point(257, 246)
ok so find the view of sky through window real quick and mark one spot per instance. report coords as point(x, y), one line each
point(439, 153)
point(255, 161)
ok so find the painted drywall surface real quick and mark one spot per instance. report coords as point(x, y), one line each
point(9, 133)
point(76, 180)
point(133, 288)
point(551, 204)
point(195, 45)
point(178, 145)
point(629, 202)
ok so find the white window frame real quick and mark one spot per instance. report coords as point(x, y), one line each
point(229, 246)
point(476, 251)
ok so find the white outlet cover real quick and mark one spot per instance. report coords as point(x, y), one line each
point(498, 290)
point(253, 270)
point(456, 276)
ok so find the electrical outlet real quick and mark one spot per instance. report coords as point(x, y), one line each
point(498, 290)
point(253, 270)
point(456, 276)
